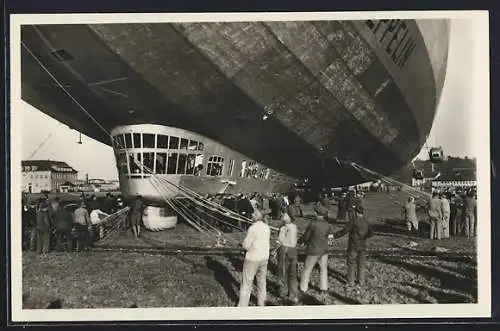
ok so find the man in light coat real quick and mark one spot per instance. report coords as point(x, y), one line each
point(445, 209)
point(257, 245)
point(435, 217)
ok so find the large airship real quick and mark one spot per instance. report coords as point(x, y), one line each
point(241, 106)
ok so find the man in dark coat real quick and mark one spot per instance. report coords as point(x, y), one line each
point(359, 230)
point(135, 215)
point(109, 204)
point(83, 226)
point(342, 207)
point(28, 224)
point(316, 240)
point(63, 219)
point(297, 202)
point(43, 227)
point(245, 207)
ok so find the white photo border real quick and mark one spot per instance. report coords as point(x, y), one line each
point(479, 21)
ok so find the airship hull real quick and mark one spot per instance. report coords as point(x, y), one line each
point(302, 98)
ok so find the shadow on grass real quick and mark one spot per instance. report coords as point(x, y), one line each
point(309, 300)
point(448, 281)
point(442, 296)
point(224, 278)
point(339, 297)
point(394, 227)
point(415, 297)
point(337, 275)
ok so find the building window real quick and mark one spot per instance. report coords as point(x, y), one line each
point(262, 174)
point(161, 159)
point(174, 143)
point(172, 163)
point(162, 141)
point(148, 140)
point(137, 140)
point(230, 168)
point(215, 165)
point(201, 146)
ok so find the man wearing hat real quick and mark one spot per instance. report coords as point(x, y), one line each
point(316, 240)
point(257, 245)
point(359, 230)
point(43, 226)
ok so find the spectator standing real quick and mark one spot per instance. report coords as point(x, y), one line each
point(359, 230)
point(435, 217)
point(469, 211)
point(64, 223)
point(135, 215)
point(43, 227)
point(298, 206)
point(287, 255)
point(257, 245)
point(83, 227)
point(410, 210)
point(316, 240)
point(446, 211)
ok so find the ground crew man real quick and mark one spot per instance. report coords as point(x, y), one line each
point(411, 215)
point(287, 255)
point(297, 202)
point(83, 226)
point(445, 208)
point(435, 216)
point(469, 213)
point(135, 215)
point(63, 220)
point(359, 231)
point(316, 240)
point(257, 245)
point(43, 227)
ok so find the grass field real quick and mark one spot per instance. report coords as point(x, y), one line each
point(121, 280)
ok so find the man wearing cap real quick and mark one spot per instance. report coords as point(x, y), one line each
point(359, 230)
point(257, 245)
point(287, 254)
point(83, 225)
point(316, 240)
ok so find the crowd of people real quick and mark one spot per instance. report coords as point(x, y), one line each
point(48, 224)
point(449, 213)
point(317, 237)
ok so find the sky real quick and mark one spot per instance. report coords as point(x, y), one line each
point(452, 126)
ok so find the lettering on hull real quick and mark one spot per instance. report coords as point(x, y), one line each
point(395, 37)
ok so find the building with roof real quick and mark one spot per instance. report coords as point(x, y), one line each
point(452, 172)
point(46, 175)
